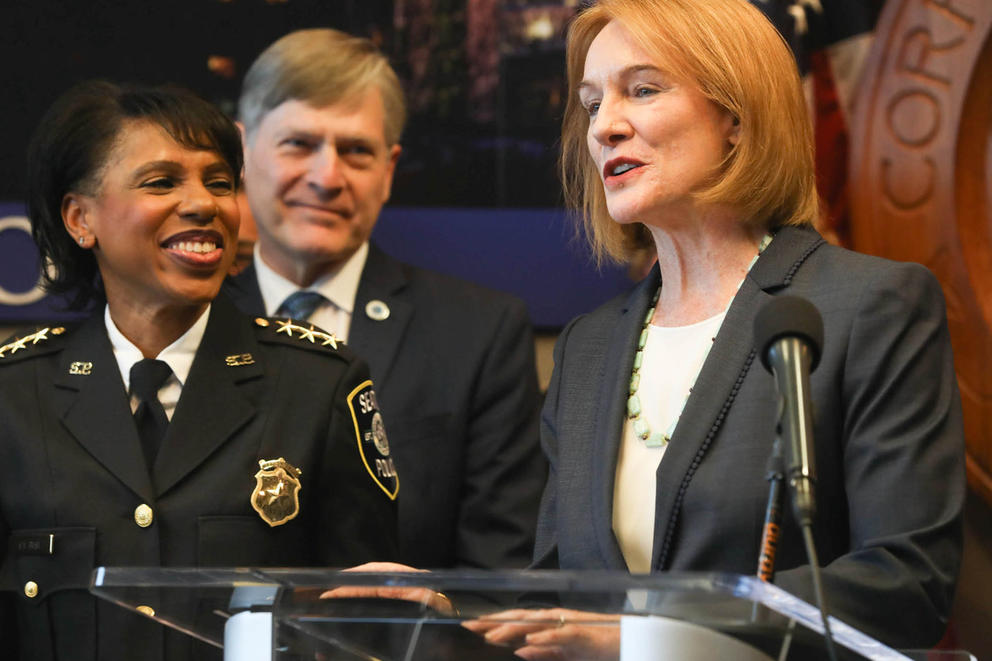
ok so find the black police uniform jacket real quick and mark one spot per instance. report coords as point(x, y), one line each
point(453, 365)
point(72, 472)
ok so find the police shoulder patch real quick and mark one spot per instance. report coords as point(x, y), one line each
point(370, 434)
point(31, 344)
point(297, 333)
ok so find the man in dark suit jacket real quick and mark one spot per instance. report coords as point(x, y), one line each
point(322, 114)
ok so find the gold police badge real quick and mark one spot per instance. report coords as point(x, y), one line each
point(276, 497)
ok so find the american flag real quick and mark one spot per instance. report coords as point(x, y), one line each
point(831, 40)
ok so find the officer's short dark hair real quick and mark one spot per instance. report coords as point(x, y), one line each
point(69, 151)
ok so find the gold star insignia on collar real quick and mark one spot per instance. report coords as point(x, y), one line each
point(18, 345)
point(22, 343)
point(309, 334)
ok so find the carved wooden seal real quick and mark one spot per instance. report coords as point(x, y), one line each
point(921, 178)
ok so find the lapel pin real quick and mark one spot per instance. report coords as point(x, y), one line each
point(239, 359)
point(377, 310)
point(81, 368)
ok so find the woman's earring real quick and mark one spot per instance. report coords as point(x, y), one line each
point(82, 241)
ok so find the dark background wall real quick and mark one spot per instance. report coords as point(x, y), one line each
point(47, 45)
point(483, 77)
point(484, 81)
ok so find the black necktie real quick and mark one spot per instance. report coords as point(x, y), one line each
point(147, 376)
point(301, 304)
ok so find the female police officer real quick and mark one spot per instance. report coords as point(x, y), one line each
point(167, 429)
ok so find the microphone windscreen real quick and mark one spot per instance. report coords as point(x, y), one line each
point(788, 316)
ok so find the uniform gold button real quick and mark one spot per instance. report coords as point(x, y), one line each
point(143, 515)
point(146, 610)
point(31, 589)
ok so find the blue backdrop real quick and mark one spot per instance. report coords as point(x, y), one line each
point(531, 253)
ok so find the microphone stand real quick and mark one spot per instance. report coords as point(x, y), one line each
point(789, 332)
point(772, 528)
point(798, 429)
point(817, 577)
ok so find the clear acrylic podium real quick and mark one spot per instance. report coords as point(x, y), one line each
point(286, 614)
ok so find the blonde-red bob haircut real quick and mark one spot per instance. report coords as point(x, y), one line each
point(739, 61)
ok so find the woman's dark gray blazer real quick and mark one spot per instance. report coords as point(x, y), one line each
point(888, 432)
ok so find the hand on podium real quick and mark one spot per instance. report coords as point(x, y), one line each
point(552, 633)
point(437, 601)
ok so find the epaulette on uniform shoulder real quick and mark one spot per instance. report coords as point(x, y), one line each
point(39, 342)
point(297, 334)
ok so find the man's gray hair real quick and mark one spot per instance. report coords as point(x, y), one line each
point(320, 67)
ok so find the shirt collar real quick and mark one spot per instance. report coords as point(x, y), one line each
point(179, 355)
point(340, 286)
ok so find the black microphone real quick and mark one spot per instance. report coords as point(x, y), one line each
point(788, 333)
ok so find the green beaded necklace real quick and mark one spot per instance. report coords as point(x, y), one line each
point(640, 425)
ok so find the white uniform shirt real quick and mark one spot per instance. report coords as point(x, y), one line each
point(178, 355)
